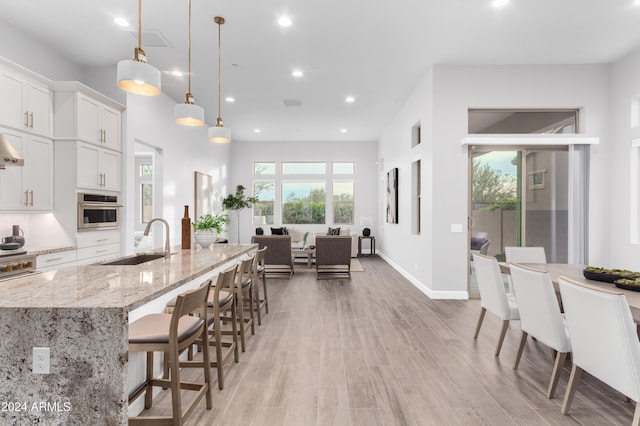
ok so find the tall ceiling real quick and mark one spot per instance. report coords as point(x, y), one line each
point(375, 51)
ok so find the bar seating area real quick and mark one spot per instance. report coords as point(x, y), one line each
point(218, 318)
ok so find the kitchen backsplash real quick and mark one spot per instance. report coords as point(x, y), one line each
point(40, 230)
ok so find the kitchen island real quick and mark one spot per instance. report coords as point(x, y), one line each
point(82, 314)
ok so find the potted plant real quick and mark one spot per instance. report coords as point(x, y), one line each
point(207, 228)
point(237, 202)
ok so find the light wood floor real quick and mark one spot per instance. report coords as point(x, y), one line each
point(376, 351)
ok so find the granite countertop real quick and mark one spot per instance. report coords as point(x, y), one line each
point(37, 250)
point(107, 286)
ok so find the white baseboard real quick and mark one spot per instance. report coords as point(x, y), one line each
point(457, 295)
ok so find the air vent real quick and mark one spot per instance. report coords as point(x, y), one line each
point(292, 102)
point(151, 38)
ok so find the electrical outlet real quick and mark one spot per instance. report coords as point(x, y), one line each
point(41, 361)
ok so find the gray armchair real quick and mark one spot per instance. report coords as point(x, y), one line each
point(333, 257)
point(277, 259)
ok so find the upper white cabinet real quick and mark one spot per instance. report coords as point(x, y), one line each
point(85, 115)
point(28, 188)
point(25, 104)
point(97, 168)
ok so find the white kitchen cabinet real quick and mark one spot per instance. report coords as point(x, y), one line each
point(25, 104)
point(98, 246)
point(28, 188)
point(86, 117)
point(97, 168)
point(57, 260)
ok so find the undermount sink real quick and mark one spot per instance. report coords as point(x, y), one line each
point(134, 260)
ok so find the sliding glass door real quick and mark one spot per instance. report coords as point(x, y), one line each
point(518, 197)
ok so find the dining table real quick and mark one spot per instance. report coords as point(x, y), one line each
point(575, 272)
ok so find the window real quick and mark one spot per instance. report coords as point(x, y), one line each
point(264, 168)
point(265, 191)
point(303, 202)
point(415, 197)
point(416, 136)
point(145, 185)
point(501, 121)
point(304, 168)
point(343, 203)
point(342, 168)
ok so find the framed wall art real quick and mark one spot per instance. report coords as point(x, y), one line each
point(392, 195)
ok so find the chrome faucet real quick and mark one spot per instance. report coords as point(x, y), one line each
point(167, 246)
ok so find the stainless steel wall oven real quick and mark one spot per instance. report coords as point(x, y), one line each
point(97, 211)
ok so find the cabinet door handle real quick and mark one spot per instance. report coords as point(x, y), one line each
point(54, 259)
point(31, 192)
point(104, 179)
point(31, 116)
point(26, 119)
point(26, 198)
point(104, 135)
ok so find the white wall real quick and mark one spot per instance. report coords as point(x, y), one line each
point(150, 121)
point(411, 254)
point(35, 56)
point(625, 85)
point(442, 265)
point(243, 154)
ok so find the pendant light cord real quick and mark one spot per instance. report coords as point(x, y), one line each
point(189, 52)
point(219, 48)
point(140, 24)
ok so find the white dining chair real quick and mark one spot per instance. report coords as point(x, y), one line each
point(603, 339)
point(514, 254)
point(493, 297)
point(540, 317)
point(525, 255)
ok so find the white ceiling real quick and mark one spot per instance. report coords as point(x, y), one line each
point(376, 51)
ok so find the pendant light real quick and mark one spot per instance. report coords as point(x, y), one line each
point(188, 113)
point(218, 133)
point(136, 76)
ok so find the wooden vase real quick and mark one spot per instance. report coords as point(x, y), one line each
point(186, 229)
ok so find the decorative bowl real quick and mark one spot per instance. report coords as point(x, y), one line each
point(205, 238)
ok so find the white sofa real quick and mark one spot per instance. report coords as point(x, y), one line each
point(298, 235)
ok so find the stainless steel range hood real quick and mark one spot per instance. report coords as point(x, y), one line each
point(8, 155)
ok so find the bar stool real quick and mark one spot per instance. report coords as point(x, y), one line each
point(259, 271)
point(172, 333)
point(223, 300)
point(244, 293)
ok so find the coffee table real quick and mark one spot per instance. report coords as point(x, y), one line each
point(309, 252)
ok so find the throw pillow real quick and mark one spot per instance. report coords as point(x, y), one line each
point(277, 231)
point(333, 231)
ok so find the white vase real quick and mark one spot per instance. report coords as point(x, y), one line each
point(205, 237)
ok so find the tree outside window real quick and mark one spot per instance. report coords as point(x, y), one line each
point(343, 203)
point(264, 190)
point(303, 203)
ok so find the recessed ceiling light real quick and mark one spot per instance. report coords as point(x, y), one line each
point(257, 130)
point(349, 99)
point(285, 21)
point(499, 3)
point(297, 73)
point(343, 130)
point(121, 22)
point(177, 73)
point(230, 99)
